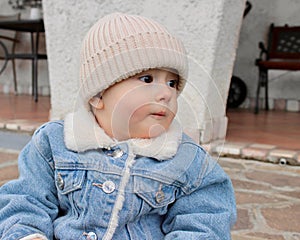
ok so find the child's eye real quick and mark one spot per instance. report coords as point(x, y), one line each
point(173, 83)
point(146, 78)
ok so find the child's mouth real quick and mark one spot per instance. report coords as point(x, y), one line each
point(160, 114)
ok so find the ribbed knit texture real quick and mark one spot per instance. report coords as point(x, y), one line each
point(119, 46)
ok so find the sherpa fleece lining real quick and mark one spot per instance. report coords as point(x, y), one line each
point(82, 132)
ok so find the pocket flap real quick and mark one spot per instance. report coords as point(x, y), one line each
point(69, 180)
point(155, 193)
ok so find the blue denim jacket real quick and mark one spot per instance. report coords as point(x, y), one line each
point(70, 195)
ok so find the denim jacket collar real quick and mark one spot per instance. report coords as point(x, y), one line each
point(82, 132)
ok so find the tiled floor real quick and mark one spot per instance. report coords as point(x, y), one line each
point(279, 128)
point(276, 128)
point(23, 107)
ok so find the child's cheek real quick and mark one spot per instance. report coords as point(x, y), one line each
point(133, 100)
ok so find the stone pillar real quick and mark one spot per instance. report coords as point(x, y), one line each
point(208, 28)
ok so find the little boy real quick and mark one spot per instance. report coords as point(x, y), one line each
point(119, 166)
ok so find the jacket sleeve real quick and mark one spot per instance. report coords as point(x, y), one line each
point(29, 204)
point(206, 213)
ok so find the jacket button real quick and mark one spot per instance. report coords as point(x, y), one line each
point(117, 153)
point(60, 182)
point(159, 196)
point(91, 236)
point(108, 187)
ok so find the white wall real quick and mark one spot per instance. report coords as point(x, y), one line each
point(283, 84)
point(208, 28)
point(23, 67)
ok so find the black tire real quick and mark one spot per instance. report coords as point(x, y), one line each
point(237, 92)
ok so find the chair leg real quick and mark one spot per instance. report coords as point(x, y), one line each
point(266, 91)
point(32, 78)
point(35, 72)
point(257, 92)
point(15, 76)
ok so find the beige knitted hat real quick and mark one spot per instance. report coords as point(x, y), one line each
point(119, 46)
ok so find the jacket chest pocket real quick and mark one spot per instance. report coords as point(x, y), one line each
point(69, 180)
point(69, 184)
point(156, 194)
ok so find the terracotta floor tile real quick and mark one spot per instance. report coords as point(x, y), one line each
point(24, 107)
point(278, 128)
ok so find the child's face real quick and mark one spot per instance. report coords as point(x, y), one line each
point(142, 106)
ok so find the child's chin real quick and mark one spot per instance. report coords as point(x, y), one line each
point(156, 130)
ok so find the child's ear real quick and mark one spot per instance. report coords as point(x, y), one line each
point(96, 102)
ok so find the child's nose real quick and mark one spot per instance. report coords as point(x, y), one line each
point(163, 93)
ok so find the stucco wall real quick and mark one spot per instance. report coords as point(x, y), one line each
point(23, 67)
point(209, 30)
point(283, 84)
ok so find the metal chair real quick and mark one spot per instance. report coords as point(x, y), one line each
point(8, 41)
